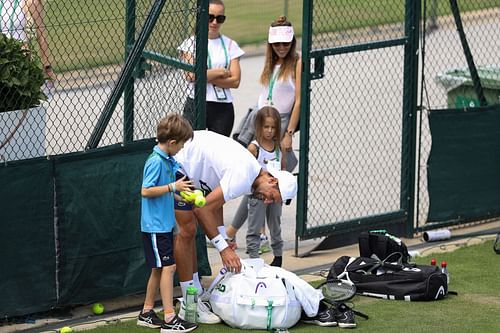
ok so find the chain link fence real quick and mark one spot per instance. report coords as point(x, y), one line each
point(356, 92)
point(86, 46)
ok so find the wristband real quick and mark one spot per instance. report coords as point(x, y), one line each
point(173, 187)
point(219, 242)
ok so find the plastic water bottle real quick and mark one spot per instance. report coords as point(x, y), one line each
point(191, 304)
point(444, 270)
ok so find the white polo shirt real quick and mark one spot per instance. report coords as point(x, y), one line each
point(211, 160)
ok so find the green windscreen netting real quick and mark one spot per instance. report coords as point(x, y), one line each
point(463, 173)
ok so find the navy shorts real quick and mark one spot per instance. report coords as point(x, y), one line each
point(159, 249)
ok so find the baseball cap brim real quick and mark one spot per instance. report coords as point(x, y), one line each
point(287, 183)
point(281, 34)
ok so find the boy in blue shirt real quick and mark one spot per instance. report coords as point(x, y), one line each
point(158, 220)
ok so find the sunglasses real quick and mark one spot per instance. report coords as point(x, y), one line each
point(282, 44)
point(218, 18)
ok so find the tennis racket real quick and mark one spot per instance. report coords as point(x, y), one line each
point(338, 289)
point(218, 278)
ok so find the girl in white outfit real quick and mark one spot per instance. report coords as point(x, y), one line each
point(280, 88)
point(267, 151)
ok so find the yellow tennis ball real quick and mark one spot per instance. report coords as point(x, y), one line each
point(197, 193)
point(66, 329)
point(98, 308)
point(200, 201)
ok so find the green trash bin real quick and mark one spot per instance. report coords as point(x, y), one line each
point(460, 89)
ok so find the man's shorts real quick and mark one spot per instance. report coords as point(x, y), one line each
point(159, 249)
point(181, 205)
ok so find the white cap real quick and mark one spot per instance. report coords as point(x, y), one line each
point(287, 183)
point(283, 34)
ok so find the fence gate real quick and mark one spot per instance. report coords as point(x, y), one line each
point(357, 127)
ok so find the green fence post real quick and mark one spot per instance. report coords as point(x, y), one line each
point(128, 92)
point(304, 121)
point(410, 93)
point(200, 69)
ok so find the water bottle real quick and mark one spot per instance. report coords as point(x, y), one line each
point(444, 270)
point(191, 304)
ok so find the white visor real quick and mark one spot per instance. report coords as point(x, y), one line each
point(287, 183)
point(281, 34)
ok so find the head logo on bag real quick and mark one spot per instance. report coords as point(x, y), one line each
point(260, 284)
point(440, 293)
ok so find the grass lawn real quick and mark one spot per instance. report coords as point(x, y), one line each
point(474, 274)
point(85, 34)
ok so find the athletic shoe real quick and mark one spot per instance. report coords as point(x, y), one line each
point(344, 316)
point(277, 261)
point(177, 325)
point(205, 316)
point(149, 319)
point(264, 244)
point(325, 317)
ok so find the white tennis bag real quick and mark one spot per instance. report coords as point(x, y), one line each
point(257, 298)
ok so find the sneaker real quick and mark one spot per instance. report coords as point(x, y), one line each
point(344, 316)
point(325, 318)
point(277, 261)
point(149, 319)
point(264, 244)
point(205, 316)
point(177, 325)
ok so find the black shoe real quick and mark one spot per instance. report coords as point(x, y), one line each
point(325, 317)
point(277, 261)
point(344, 316)
point(177, 325)
point(149, 319)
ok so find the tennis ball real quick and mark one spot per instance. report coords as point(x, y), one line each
point(66, 329)
point(98, 308)
point(200, 201)
point(198, 193)
point(188, 196)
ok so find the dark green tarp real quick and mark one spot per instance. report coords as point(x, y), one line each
point(464, 164)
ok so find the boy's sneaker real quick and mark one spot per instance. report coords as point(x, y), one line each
point(205, 316)
point(149, 319)
point(344, 316)
point(325, 317)
point(177, 325)
point(264, 244)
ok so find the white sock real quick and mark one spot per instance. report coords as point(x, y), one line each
point(222, 231)
point(184, 285)
point(197, 283)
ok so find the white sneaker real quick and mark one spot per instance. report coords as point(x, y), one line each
point(205, 316)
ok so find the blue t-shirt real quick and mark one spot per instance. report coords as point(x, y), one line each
point(157, 214)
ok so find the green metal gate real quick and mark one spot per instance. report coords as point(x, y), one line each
point(357, 122)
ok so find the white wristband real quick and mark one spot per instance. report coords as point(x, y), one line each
point(219, 242)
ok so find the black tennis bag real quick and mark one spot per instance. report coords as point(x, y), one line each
point(392, 280)
point(382, 244)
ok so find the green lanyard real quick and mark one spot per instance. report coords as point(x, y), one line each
point(11, 20)
point(225, 54)
point(272, 80)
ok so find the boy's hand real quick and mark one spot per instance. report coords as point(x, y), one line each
point(184, 185)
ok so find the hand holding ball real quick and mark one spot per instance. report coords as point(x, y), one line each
point(196, 197)
point(98, 308)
